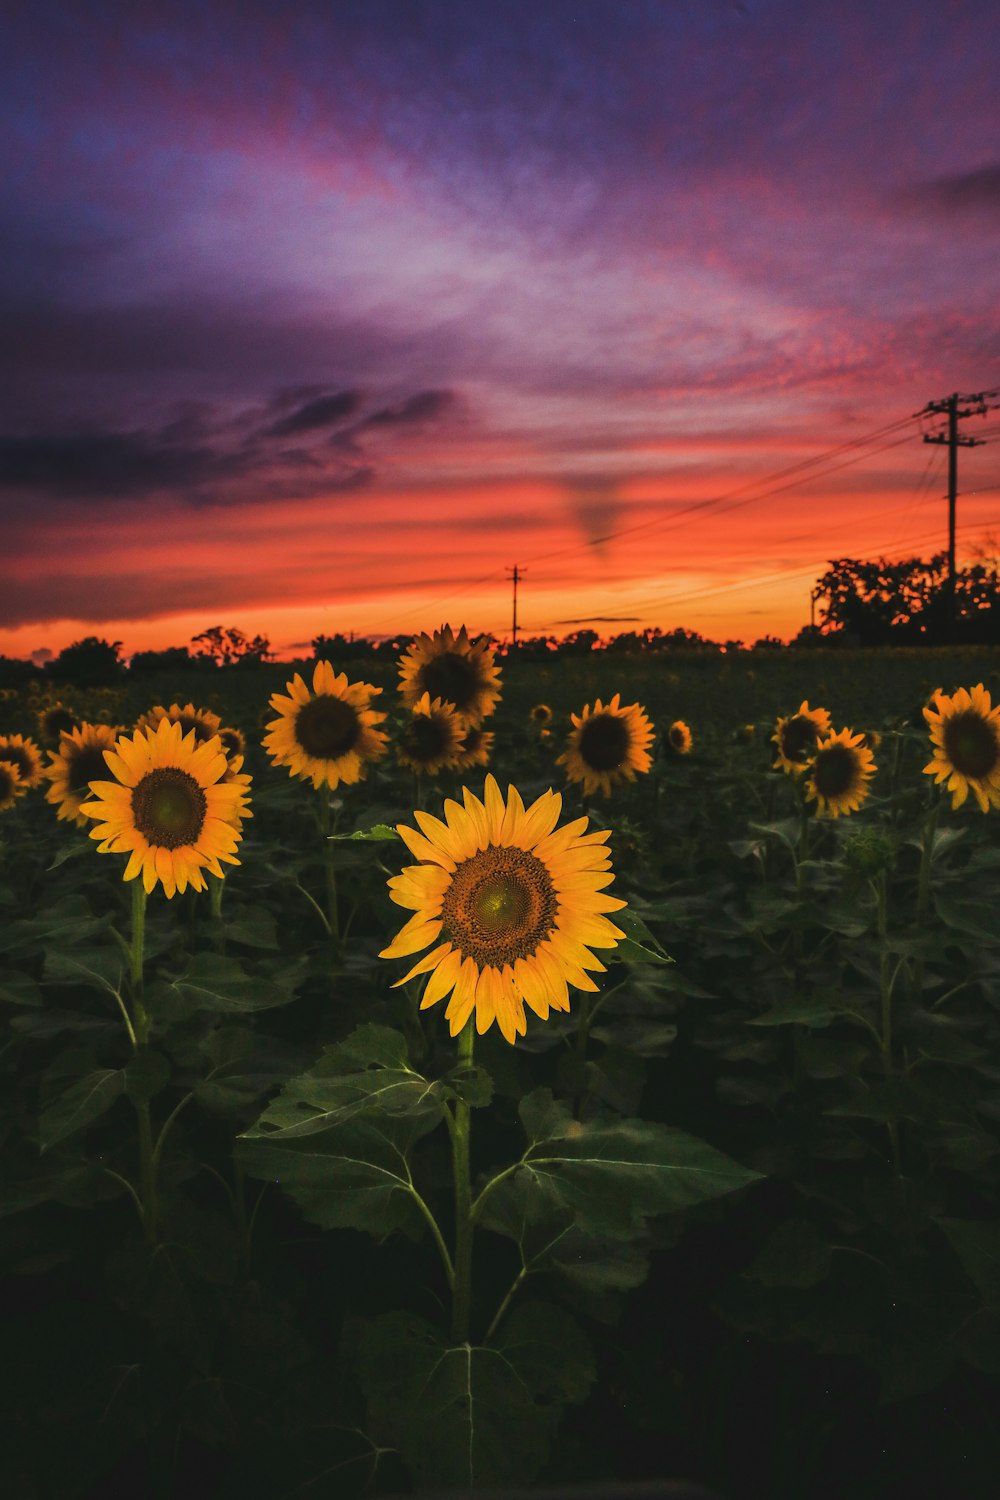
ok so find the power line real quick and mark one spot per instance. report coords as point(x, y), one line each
point(949, 407)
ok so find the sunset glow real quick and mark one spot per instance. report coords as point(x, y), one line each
point(319, 318)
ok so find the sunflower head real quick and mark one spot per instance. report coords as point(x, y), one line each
point(541, 716)
point(78, 761)
point(839, 773)
point(201, 722)
point(327, 736)
point(797, 736)
point(25, 754)
point(432, 737)
point(167, 808)
point(965, 732)
point(54, 719)
point(509, 906)
point(10, 784)
point(453, 669)
point(233, 741)
point(679, 737)
point(607, 744)
point(475, 749)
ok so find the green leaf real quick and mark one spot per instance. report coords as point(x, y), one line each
point(381, 833)
point(465, 1415)
point(611, 1175)
point(977, 1246)
point(217, 983)
point(978, 919)
point(639, 946)
point(804, 1012)
point(70, 851)
point(253, 926)
point(354, 1177)
point(146, 1074)
point(787, 831)
point(84, 1101)
point(96, 968)
point(369, 1072)
point(20, 989)
point(796, 1254)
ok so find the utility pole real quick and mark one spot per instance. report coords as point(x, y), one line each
point(975, 406)
point(814, 594)
point(515, 575)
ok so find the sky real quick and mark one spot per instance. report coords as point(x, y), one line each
point(321, 317)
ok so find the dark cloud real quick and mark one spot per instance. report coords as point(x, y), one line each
point(204, 457)
point(958, 192)
point(322, 411)
point(108, 464)
point(425, 406)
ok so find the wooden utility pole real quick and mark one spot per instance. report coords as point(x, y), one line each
point(515, 575)
point(975, 406)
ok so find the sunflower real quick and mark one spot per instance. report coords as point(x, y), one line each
point(233, 742)
point(54, 719)
point(965, 732)
point(679, 737)
point(871, 738)
point(78, 761)
point(202, 721)
point(168, 810)
point(432, 738)
point(10, 780)
point(475, 749)
point(454, 669)
point(838, 774)
point(24, 754)
point(235, 776)
point(541, 715)
point(511, 905)
point(326, 736)
point(606, 745)
point(797, 736)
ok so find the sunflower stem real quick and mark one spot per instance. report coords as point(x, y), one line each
point(147, 1155)
point(880, 888)
point(462, 1288)
point(215, 906)
point(926, 859)
point(329, 872)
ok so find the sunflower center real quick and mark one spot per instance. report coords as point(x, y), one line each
point(202, 731)
point(453, 677)
point(59, 719)
point(169, 807)
point(19, 757)
point(87, 765)
point(604, 742)
point(798, 738)
point(327, 727)
point(500, 906)
point(424, 738)
point(7, 782)
point(971, 745)
point(835, 771)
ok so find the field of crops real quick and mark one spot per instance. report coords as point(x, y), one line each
point(268, 1229)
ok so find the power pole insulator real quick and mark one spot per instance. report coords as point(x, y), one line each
point(516, 576)
point(975, 405)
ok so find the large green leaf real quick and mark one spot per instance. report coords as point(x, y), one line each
point(96, 968)
point(354, 1177)
point(217, 983)
point(466, 1415)
point(369, 1072)
point(82, 1102)
point(610, 1175)
point(978, 1248)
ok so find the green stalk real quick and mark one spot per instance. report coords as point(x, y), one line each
point(462, 1288)
point(926, 858)
point(885, 994)
point(329, 872)
point(215, 886)
point(147, 1156)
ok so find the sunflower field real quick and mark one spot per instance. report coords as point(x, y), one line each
point(484, 1072)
